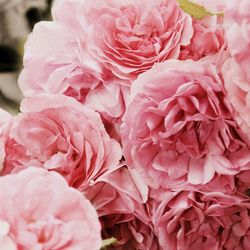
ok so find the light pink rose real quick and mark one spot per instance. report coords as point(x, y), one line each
point(6, 242)
point(195, 220)
point(56, 61)
point(178, 127)
point(119, 198)
point(236, 69)
point(5, 117)
point(4, 121)
point(208, 39)
point(238, 92)
point(57, 133)
point(128, 37)
point(39, 211)
point(237, 28)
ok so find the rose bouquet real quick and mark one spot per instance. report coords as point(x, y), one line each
point(134, 132)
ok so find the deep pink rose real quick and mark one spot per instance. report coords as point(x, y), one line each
point(39, 211)
point(56, 61)
point(208, 39)
point(195, 220)
point(56, 132)
point(119, 198)
point(236, 69)
point(128, 37)
point(178, 127)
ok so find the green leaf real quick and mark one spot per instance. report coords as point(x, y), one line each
point(195, 10)
point(108, 242)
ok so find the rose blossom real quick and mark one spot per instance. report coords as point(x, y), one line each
point(195, 220)
point(6, 242)
point(178, 127)
point(128, 37)
point(56, 132)
point(236, 69)
point(237, 20)
point(40, 211)
point(209, 34)
point(243, 182)
point(57, 62)
point(119, 198)
point(4, 121)
point(208, 39)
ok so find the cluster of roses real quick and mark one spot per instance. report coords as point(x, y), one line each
point(144, 110)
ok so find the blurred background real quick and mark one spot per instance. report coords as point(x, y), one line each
point(17, 19)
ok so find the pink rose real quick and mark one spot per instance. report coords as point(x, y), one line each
point(195, 220)
point(4, 121)
point(57, 133)
point(5, 117)
point(243, 182)
point(119, 198)
point(237, 22)
point(238, 91)
point(40, 211)
point(178, 127)
point(128, 37)
point(56, 61)
point(6, 242)
point(236, 69)
point(208, 39)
